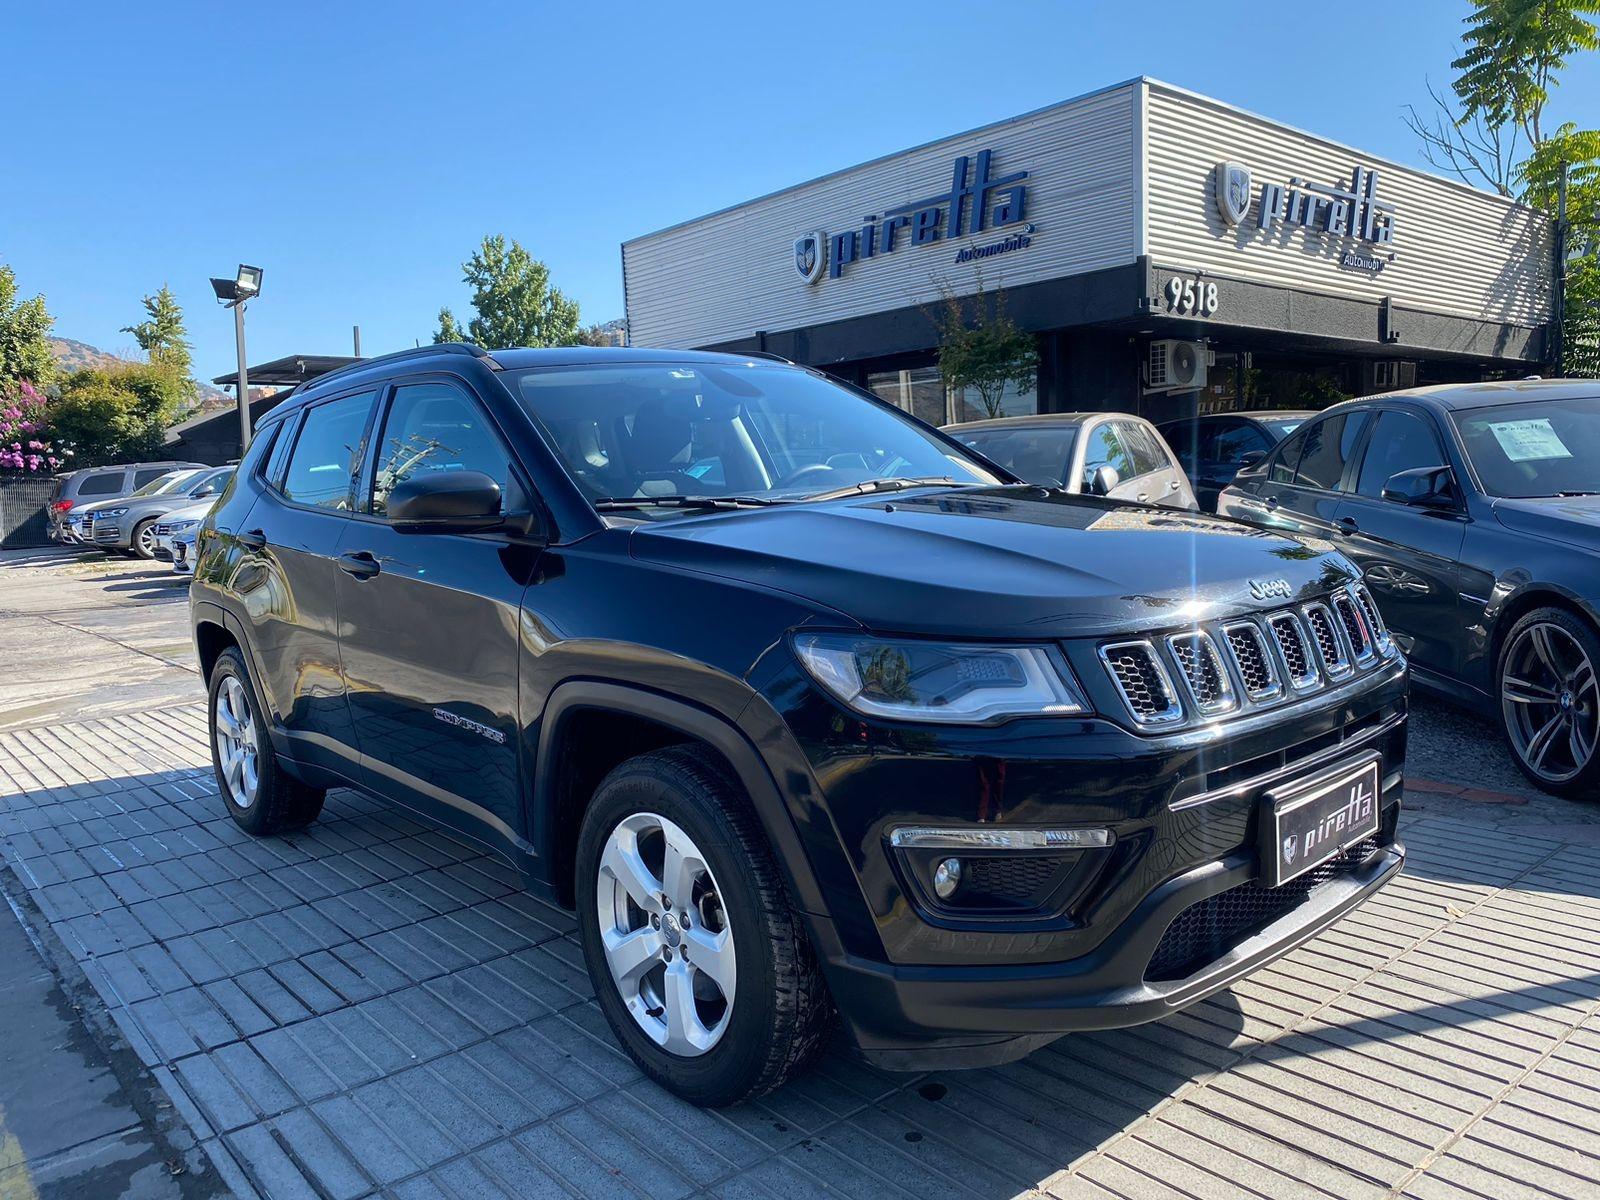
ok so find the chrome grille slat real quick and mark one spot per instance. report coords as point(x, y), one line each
point(1295, 647)
point(1257, 672)
point(1142, 679)
point(1369, 608)
point(1355, 627)
point(1325, 635)
point(1203, 671)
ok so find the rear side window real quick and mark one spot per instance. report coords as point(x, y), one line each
point(106, 483)
point(1329, 445)
point(434, 427)
point(1233, 442)
point(278, 452)
point(1148, 451)
point(148, 475)
point(1106, 448)
point(327, 452)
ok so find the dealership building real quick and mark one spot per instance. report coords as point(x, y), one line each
point(1172, 254)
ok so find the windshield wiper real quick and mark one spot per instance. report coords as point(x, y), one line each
point(869, 486)
point(613, 503)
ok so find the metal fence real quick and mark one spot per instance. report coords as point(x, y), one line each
point(22, 511)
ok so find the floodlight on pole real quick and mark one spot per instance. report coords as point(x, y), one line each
point(232, 293)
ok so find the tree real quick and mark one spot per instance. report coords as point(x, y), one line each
point(515, 303)
point(981, 348)
point(117, 414)
point(24, 336)
point(163, 335)
point(448, 331)
point(1493, 134)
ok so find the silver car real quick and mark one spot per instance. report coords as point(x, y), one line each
point(1102, 454)
point(128, 525)
point(174, 534)
point(74, 490)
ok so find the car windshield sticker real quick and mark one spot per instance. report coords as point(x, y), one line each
point(1530, 439)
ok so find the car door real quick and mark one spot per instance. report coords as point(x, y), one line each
point(1409, 556)
point(430, 621)
point(1223, 444)
point(287, 579)
point(1165, 482)
point(1301, 488)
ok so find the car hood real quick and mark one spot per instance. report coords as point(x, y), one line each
point(1574, 520)
point(999, 562)
point(191, 512)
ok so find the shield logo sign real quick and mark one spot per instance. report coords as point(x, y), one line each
point(1231, 187)
point(810, 255)
point(1290, 846)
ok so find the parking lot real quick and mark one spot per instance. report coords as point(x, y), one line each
point(373, 1008)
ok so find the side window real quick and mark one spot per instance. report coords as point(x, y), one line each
point(1400, 441)
point(272, 472)
point(148, 475)
point(107, 483)
point(1105, 448)
point(1145, 447)
point(215, 480)
point(1236, 440)
point(1326, 452)
point(327, 452)
point(436, 427)
point(1287, 457)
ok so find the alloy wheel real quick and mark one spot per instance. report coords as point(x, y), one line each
point(665, 933)
point(1551, 700)
point(147, 541)
point(235, 733)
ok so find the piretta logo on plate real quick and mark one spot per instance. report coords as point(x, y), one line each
point(1311, 824)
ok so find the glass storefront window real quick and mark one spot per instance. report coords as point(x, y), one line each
point(920, 391)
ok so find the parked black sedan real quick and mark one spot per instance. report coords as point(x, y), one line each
point(1474, 512)
point(1214, 447)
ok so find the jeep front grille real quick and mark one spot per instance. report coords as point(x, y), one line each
point(1203, 671)
point(1369, 609)
point(1146, 688)
point(1290, 635)
point(1355, 626)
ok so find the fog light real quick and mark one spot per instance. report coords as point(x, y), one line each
point(946, 878)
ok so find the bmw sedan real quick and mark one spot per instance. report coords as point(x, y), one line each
point(1473, 511)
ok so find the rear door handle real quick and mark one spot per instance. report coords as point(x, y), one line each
point(1347, 525)
point(253, 539)
point(358, 563)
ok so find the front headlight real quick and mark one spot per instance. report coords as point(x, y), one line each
point(907, 680)
point(112, 512)
point(182, 526)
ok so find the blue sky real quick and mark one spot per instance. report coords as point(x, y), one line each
point(358, 152)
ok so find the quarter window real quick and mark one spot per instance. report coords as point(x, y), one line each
point(1144, 447)
point(1107, 448)
point(1287, 458)
point(434, 427)
point(148, 475)
point(106, 484)
point(1401, 441)
point(327, 452)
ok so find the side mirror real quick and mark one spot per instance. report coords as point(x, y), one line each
point(1422, 487)
point(1103, 479)
point(445, 502)
point(1251, 458)
point(202, 493)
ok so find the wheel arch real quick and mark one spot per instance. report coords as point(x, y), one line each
point(635, 720)
point(1520, 603)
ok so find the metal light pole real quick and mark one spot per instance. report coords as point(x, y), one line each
point(232, 293)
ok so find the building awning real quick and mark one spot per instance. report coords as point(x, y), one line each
point(288, 372)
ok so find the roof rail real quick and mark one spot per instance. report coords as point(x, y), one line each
point(466, 348)
point(768, 355)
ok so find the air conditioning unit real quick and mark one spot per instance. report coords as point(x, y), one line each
point(1389, 376)
point(1176, 366)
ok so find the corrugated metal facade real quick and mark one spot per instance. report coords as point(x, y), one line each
point(1457, 250)
point(725, 276)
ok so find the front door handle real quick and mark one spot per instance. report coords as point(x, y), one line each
point(1347, 526)
point(253, 539)
point(358, 563)
point(1271, 503)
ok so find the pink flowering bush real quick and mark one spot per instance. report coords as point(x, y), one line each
point(24, 446)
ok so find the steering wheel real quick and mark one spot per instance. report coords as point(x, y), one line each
point(805, 472)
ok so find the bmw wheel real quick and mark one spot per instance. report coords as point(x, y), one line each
point(261, 796)
point(1550, 701)
point(700, 965)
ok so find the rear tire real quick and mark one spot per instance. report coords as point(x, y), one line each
point(1550, 701)
point(673, 820)
point(261, 796)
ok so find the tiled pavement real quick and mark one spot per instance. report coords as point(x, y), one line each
point(371, 1008)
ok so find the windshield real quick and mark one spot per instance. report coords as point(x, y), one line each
point(165, 483)
point(1537, 448)
point(642, 431)
point(1039, 455)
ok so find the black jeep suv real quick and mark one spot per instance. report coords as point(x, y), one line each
point(804, 708)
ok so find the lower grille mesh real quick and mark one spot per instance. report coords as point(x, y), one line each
point(1204, 932)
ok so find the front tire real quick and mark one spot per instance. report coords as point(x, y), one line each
point(700, 965)
point(1550, 701)
point(142, 543)
point(261, 796)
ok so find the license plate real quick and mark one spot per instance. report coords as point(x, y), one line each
point(1307, 824)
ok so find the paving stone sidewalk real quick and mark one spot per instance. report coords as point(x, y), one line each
point(372, 1008)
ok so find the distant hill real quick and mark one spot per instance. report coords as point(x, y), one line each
point(78, 356)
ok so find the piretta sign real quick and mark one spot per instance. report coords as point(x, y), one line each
point(1354, 211)
point(978, 200)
